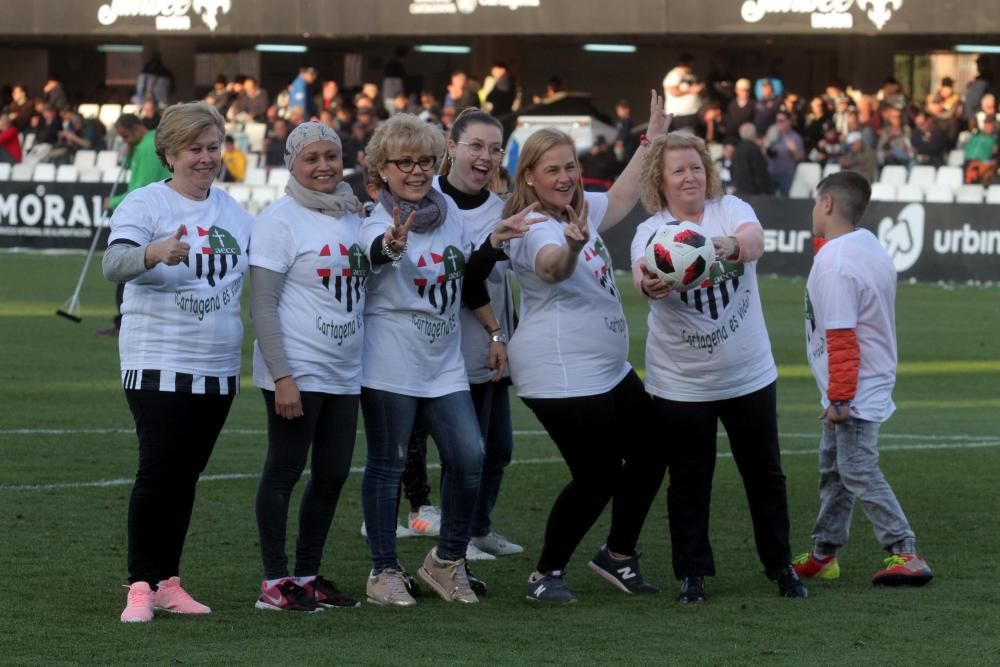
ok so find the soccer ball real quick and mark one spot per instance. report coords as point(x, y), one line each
point(679, 254)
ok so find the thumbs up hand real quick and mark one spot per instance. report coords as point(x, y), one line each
point(170, 251)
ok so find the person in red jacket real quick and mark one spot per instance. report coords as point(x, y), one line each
point(10, 142)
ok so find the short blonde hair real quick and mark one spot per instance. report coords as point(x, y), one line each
point(401, 132)
point(182, 123)
point(539, 143)
point(651, 178)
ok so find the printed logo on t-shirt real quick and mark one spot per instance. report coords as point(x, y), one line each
point(598, 260)
point(810, 314)
point(348, 270)
point(717, 291)
point(440, 280)
point(215, 252)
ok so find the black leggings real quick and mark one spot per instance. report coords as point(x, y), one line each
point(177, 433)
point(751, 422)
point(329, 425)
point(604, 441)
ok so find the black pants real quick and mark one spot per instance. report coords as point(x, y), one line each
point(752, 425)
point(329, 425)
point(603, 440)
point(177, 433)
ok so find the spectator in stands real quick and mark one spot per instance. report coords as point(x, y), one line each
point(21, 108)
point(682, 92)
point(626, 143)
point(859, 156)
point(710, 126)
point(785, 149)
point(987, 109)
point(329, 98)
point(930, 145)
point(500, 98)
point(891, 93)
point(10, 142)
point(599, 166)
point(402, 104)
point(54, 95)
point(270, 116)
point(371, 91)
point(894, 145)
point(296, 116)
point(149, 114)
point(459, 93)
point(740, 109)
point(345, 118)
point(274, 144)
point(841, 106)
point(235, 162)
point(553, 87)
point(725, 166)
point(974, 93)
point(448, 115)
point(944, 106)
point(869, 121)
point(355, 143)
point(154, 82)
point(794, 106)
point(766, 109)
point(749, 168)
point(817, 117)
point(218, 97)
point(252, 103)
point(828, 149)
point(78, 133)
point(299, 94)
point(49, 126)
point(981, 153)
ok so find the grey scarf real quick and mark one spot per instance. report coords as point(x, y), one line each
point(431, 210)
point(335, 204)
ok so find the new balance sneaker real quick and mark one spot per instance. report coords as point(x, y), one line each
point(477, 585)
point(426, 521)
point(550, 587)
point(624, 574)
point(286, 595)
point(401, 531)
point(474, 553)
point(496, 544)
point(789, 584)
point(903, 570)
point(169, 596)
point(326, 594)
point(692, 590)
point(816, 567)
point(388, 588)
point(139, 605)
point(448, 578)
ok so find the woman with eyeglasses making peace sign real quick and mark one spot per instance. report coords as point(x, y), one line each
point(412, 366)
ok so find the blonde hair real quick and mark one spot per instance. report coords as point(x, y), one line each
point(539, 143)
point(651, 178)
point(401, 132)
point(181, 124)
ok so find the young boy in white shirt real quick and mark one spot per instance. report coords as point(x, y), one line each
point(851, 346)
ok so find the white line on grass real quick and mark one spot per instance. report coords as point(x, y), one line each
point(108, 483)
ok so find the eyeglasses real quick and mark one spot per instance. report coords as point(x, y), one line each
point(476, 149)
point(406, 165)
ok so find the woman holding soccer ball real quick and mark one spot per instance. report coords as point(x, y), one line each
point(708, 358)
point(569, 360)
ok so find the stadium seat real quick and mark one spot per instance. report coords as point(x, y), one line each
point(255, 135)
point(130, 108)
point(939, 194)
point(922, 174)
point(956, 157)
point(799, 190)
point(808, 173)
point(84, 158)
point(278, 178)
point(45, 173)
point(893, 174)
point(240, 193)
point(90, 174)
point(107, 160)
point(831, 168)
point(4, 171)
point(993, 194)
point(907, 192)
point(21, 172)
point(951, 177)
point(262, 195)
point(255, 176)
point(882, 191)
point(110, 175)
point(67, 173)
point(27, 142)
point(969, 194)
point(89, 110)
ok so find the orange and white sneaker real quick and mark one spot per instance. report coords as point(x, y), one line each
point(139, 608)
point(903, 570)
point(169, 596)
point(815, 567)
point(426, 521)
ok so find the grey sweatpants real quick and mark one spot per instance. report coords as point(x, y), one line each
point(848, 470)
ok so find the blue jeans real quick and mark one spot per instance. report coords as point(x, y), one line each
point(492, 403)
point(451, 421)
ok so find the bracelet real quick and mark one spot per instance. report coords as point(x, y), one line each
point(395, 257)
point(644, 140)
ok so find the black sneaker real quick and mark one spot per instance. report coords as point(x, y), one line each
point(477, 585)
point(789, 585)
point(326, 594)
point(624, 574)
point(550, 587)
point(286, 596)
point(692, 590)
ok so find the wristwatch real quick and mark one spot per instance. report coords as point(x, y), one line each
point(498, 337)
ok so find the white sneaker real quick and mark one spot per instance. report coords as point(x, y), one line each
point(496, 544)
point(472, 553)
point(426, 522)
point(401, 530)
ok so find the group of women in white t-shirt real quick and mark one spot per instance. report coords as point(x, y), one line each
point(368, 312)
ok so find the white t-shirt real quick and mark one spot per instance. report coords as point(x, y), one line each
point(184, 318)
point(572, 338)
point(323, 297)
point(852, 285)
point(413, 342)
point(684, 104)
point(478, 223)
point(708, 343)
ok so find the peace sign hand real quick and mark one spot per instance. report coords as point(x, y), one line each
point(395, 236)
point(577, 231)
point(515, 226)
point(659, 120)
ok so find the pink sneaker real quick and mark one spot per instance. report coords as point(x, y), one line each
point(139, 608)
point(171, 597)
